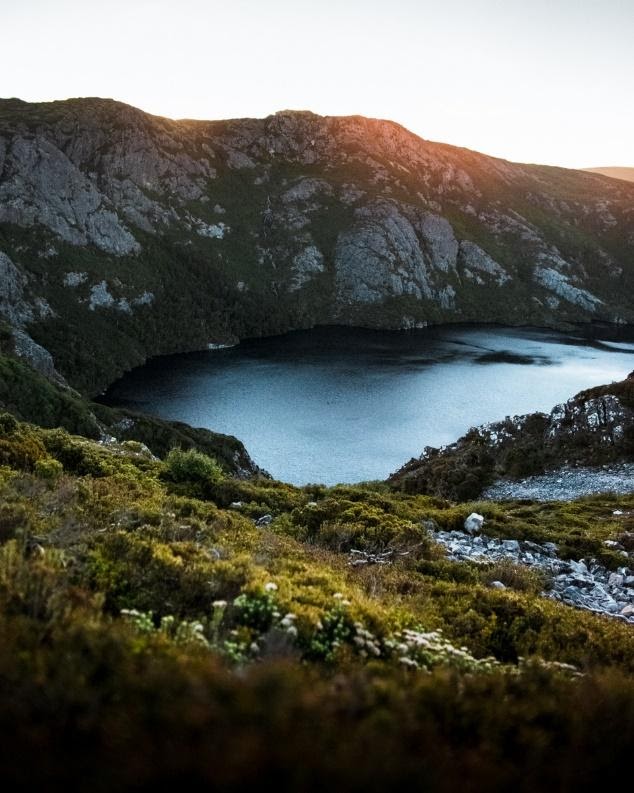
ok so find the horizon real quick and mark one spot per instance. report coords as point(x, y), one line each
point(543, 84)
point(320, 115)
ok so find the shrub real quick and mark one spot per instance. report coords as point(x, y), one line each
point(514, 576)
point(20, 446)
point(48, 468)
point(7, 423)
point(192, 466)
point(77, 455)
point(13, 517)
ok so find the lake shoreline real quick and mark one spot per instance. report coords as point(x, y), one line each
point(346, 404)
point(588, 330)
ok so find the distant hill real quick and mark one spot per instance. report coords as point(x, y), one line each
point(614, 172)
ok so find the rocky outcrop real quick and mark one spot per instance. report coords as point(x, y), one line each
point(35, 355)
point(232, 224)
point(558, 284)
point(594, 428)
point(306, 264)
point(41, 187)
point(381, 256)
point(394, 250)
point(18, 311)
point(13, 304)
point(477, 265)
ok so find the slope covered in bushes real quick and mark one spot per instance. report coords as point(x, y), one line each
point(30, 396)
point(593, 428)
point(162, 619)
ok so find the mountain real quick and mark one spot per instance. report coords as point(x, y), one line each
point(125, 235)
point(615, 172)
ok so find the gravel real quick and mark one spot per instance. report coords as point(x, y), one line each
point(566, 484)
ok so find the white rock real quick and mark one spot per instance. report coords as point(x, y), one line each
point(511, 545)
point(306, 264)
point(100, 296)
point(474, 523)
point(216, 231)
point(75, 278)
point(559, 284)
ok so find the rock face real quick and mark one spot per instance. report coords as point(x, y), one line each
point(258, 226)
point(35, 355)
point(594, 428)
point(391, 252)
point(19, 312)
point(42, 186)
point(13, 305)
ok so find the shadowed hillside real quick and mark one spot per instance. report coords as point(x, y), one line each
point(125, 235)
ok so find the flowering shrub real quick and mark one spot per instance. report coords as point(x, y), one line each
point(416, 649)
point(335, 629)
point(257, 610)
point(180, 632)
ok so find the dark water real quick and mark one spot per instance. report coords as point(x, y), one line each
point(344, 405)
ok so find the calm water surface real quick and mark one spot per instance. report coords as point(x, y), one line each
point(343, 405)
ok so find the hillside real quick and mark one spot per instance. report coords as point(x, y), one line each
point(626, 174)
point(125, 235)
point(593, 428)
point(174, 622)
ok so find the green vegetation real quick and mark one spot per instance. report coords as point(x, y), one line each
point(192, 467)
point(32, 397)
point(29, 396)
point(127, 585)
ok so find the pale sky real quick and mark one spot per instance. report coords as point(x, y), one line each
point(548, 81)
